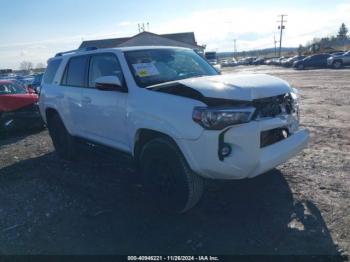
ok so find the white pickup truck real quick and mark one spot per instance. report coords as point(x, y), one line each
point(173, 114)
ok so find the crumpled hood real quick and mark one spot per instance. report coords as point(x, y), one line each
point(245, 87)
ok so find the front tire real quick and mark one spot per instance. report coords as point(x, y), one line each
point(65, 144)
point(169, 180)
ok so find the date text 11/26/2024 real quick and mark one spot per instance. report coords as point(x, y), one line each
point(173, 258)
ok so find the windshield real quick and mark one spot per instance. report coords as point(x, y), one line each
point(155, 66)
point(10, 88)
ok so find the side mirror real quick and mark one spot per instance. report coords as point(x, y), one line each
point(110, 83)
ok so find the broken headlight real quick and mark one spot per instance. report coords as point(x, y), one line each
point(219, 118)
point(295, 102)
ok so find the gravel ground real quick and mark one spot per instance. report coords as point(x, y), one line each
point(98, 206)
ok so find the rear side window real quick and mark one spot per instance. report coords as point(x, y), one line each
point(51, 71)
point(75, 73)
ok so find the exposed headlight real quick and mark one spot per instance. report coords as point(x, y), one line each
point(219, 118)
point(294, 94)
point(295, 101)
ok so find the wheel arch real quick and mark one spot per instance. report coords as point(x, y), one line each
point(49, 113)
point(338, 60)
point(144, 135)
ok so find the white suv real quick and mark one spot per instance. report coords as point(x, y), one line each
point(173, 114)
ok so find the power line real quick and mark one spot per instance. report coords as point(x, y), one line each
point(281, 27)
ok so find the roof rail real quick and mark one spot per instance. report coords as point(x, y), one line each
point(76, 51)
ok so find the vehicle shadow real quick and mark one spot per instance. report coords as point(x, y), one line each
point(94, 206)
point(8, 138)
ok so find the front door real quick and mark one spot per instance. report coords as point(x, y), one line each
point(105, 111)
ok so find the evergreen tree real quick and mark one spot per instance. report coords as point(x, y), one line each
point(300, 49)
point(343, 31)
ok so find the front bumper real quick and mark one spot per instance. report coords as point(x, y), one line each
point(22, 119)
point(247, 158)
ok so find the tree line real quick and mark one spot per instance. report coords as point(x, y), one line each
point(28, 66)
point(330, 43)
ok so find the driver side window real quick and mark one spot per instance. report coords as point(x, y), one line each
point(104, 65)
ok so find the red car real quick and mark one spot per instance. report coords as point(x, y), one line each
point(18, 107)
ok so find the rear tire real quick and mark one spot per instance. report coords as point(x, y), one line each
point(337, 64)
point(65, 144)
point(169, 180)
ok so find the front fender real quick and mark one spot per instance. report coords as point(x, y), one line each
point(165, 113)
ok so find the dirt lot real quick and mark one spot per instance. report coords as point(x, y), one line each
point(98, 206)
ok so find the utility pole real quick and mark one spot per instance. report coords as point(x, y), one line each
point(281, 27)
point(235, 48)
point(275, 42)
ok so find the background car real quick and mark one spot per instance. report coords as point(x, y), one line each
point(246, 61)
point(289, 61)
point(338, 61)
point(274, 61)
point(35, 85)
point(259, 61)
point(18, 108)
point(228, 62)
point(314, 61)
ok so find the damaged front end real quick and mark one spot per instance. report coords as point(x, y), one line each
point(25, 118)
point(221, 109)
point(223, 114)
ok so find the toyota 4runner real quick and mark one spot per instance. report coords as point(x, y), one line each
point(173, 114)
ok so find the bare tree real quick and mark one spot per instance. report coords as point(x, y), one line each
point(26, 65)
point(40, 66)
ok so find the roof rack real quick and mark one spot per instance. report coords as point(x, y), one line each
point(76, 51)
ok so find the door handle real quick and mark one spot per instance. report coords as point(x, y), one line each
point(86, 99)
point(59, 96)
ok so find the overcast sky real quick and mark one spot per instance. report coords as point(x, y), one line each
point(34, 30)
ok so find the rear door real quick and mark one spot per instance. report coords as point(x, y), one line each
point(73, 81)
point(104, 112)
point(314, 61)
point(323, 60)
